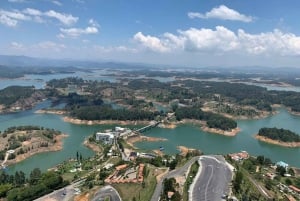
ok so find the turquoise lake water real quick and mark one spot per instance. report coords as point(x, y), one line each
point(186, 135)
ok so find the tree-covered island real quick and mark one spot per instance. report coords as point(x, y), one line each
point(278, 136)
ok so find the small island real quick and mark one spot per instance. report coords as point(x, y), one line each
point(19, 143)
point(278, 136)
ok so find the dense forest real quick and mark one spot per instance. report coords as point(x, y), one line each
point(279, 134)
point(108, 113)
point(212, 120)
point(237, 93)
point(19, 188)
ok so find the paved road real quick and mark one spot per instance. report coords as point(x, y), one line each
point(107, 191)
point(174, 173)
point(212, 180)
point(63, 194)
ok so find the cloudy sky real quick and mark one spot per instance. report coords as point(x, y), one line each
point(175, 32)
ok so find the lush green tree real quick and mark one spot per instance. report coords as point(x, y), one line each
point(176, 196)
point(281, 170)
point(169, 185)
point(260, 160)
point(4, 188)
point(34, 176)
point(291, 171)
point(238, 181)
point(288, 181)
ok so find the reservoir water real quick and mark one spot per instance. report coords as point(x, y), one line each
point(186, 135)
point(193, 137)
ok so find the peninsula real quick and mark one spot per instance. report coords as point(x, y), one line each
point(19, 143)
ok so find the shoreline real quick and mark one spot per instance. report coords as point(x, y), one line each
point(277, 142)
point(205, 128)
point(45, 111)
point(185, 150)
point(262, 115)
point(92, 146)
point(57, 146)
point(202, 124)
point(99, 122)
point(140, 138)
point(231, 133)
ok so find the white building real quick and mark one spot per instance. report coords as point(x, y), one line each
point(106, 138)
point(120, 129)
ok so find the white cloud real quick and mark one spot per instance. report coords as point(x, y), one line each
point(270, 43)
point(66, 19)
point(14, 15)
point(8, 21)
point(16, 45)
point(222, 40)
point(150, 42)
point(208, 39)
point(93, 23)
point(60, 36)
point(31, 11)
point(193, 15)
point(49, 45)
point(75, 32)
point(113, 49)
point(11, 18)
point(58, 3)
point(222, 12)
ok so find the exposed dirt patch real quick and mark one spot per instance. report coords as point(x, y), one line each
point(277, 142)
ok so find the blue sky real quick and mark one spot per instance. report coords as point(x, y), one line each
point(182, 33)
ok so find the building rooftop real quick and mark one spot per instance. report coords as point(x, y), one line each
point(282, 164)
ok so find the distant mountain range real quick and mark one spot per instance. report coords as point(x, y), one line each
point(68, 64)
point(24, 61)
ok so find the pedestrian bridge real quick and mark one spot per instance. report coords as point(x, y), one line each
point(148, 127)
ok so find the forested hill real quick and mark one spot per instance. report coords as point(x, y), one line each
point(12, 94)
point(212, 120)
point(279, 134)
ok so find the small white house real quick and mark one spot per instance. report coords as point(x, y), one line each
point(282, 164)
point(119, 129)
point(106, 138)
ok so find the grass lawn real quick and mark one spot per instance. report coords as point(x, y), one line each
point(114, 160)
point(129, 191)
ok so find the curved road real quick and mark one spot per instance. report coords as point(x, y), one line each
point(107, 191)
point(174, 173)
point(212, 180)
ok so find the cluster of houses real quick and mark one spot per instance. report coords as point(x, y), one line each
point(282, 187)
point(239, 156)
point(290, 189)
point(130, 176)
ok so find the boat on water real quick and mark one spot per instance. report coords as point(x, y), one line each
point(161, 148)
